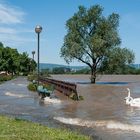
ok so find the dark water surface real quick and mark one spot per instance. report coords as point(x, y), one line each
point(103, 111)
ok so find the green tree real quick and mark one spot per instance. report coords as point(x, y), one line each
point(90, 36)
point(13, 62)
point(117, 61)
point(33, 65)
point(24, 63)
point(58, 70)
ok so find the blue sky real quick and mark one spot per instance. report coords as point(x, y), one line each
point(18, 19)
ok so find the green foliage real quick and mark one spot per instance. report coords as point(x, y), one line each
point(73, 96)
point(90, 37)
point(16, 129)
point(117, 61)
point(49, 87)
point(32, 77)
point(60, 70)
point(5, 78)
point(82, 71)
point(135, 71)
point(81, 97)
point(45, 73)
point(32, 87)
point(13, 62)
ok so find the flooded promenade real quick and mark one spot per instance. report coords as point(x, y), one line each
point(102, 112)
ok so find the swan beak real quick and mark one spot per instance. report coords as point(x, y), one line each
point(128, 89)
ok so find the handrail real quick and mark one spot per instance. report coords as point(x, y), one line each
point(66, 88)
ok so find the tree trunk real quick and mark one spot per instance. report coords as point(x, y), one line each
point(93, 75)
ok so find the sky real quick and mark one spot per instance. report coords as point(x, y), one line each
point(18, 19)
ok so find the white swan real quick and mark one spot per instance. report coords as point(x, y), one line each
point(132, 101)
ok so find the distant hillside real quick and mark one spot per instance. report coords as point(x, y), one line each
point(137, 66)
point(74, 68)
point(51, 66)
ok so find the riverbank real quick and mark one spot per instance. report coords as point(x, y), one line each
point(15, 129)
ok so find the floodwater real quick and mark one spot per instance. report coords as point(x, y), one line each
point(17, 101)
point(103, 111)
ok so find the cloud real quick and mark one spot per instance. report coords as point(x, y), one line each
point(4, 30)
point(13, 29)
point(18, 38)
point(8, 30)
point(10, 14)
point(15, 40)
point(11, 35)
point(11, 20)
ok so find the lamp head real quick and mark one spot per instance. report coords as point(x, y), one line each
point(38, 29)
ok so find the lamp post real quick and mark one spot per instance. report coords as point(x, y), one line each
point(38, 30)
point(33, 53)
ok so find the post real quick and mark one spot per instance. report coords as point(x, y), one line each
point(38, 37)
point(38, 30)
point(33, 53)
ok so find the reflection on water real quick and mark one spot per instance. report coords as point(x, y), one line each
point(103, 109)
point(113, 83)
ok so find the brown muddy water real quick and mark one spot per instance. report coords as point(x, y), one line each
point(104, 110)
point(102, 114)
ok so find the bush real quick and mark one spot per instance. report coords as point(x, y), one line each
point(48, 87)
point(73, 96)
point(5, 77)
point(81, 97)
point(32, 77)
point(32, 87)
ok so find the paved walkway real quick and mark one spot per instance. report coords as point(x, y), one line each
point(17, 101)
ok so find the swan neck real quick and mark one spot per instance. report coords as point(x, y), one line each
point(128, 93)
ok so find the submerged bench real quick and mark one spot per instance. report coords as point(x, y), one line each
point(66, 88)
point(43, 92)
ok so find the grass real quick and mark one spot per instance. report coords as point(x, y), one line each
point(16, 129)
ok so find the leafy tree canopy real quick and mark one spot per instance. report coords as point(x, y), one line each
point(12, 61)
point(91, 37)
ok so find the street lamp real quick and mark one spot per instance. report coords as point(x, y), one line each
point(38, 30)
point(33, 53)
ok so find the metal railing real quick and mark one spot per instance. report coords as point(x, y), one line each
point(64, 87)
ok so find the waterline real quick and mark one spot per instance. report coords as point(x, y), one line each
point(104, 124)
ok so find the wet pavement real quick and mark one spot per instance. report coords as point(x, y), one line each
point(17, 101)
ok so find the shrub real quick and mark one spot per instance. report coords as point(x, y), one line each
point(48, 87)
point(73, 96)
point(32, 77)
point(81, 97)
point(5, 77)
point(32, 87)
